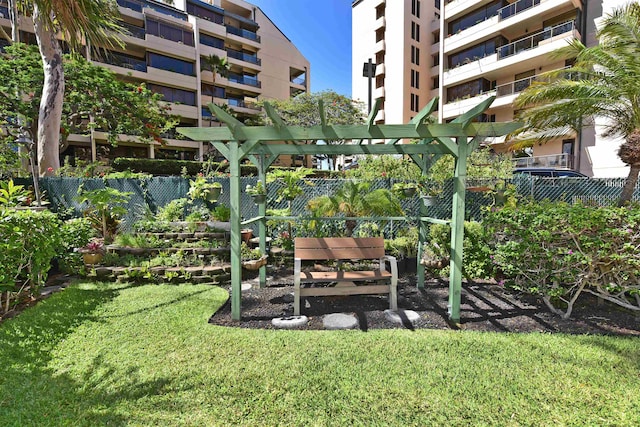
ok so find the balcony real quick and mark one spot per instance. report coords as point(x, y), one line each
point(535, 40)
point(250, 35)
point(244, 80)
point(243, 106)
point(134, 31)
point(563, 160)
point(4, 12)
point(515, 8)
point(243, 56)
point(300, 81)
point(125, 62)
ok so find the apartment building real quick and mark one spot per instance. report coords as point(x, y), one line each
point(167, 47)
point(498, 48)
point(401, 38)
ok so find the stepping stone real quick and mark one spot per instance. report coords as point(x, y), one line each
point(340, 321)
point(397, 316)
point(246, 287)
point(289, 322)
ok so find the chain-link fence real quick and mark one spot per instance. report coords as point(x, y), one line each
point(152, 193)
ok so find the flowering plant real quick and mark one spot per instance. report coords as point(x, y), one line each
point(285, 241)
point(258, 189)
point(95, 246)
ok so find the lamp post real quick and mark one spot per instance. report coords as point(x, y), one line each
point(369, 70)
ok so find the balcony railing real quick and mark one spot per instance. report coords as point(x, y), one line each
point(243, 56)
point(125, 62)
point(242, 33)
point(515, 8)
point(4, 12)
point(131, 4)
point(134, 31)
point(242, 104)
point(563, 160)
point(533, 41)
point(245, 80)
point(302, 81)
point(520, 85)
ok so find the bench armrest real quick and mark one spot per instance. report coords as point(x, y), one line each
point(393, 262)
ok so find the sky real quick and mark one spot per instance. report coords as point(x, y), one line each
point(321, 30)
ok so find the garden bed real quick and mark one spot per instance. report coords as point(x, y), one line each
point(485, 306)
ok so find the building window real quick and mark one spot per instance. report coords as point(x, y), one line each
point(174, 95)
point(211, 90)
point(415, 31)
point(415, 55)
point(380, 58)
point(435, 82)
point(415, 8)
point(481, 14)
point(476, 52)
point(167, 63)
point(415, 102)
point(169, 32)
point(435, 60)
point(379, 35)
point(468, 89)
point(208, 40)
point(415, 79)
point(380, 11)
point(206, 13)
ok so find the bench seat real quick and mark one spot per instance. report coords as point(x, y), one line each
point(344, 249)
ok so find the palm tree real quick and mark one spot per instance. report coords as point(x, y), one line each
point(92, 21)
point(355, 199)
point(217, 65)
point(603, 82)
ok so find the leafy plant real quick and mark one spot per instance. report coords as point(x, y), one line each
point(107, 203)
point(290, 181)
point(248, 254)
point(201, 189)
point(221, 213)
point(173, 211)
point(255, 190)
point(12, 194)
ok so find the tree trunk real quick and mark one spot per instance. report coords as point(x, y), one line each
point(14, 18)
point(50, 113)
point(629, 185)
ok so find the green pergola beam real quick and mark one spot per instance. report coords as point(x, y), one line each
point(278, 123)
point(349, 149)
point(346, 132)
point(422, 114)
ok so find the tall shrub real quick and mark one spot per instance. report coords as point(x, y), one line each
point(29, 242)
point(559, 251)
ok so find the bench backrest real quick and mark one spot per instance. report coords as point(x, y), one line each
point(339, 248)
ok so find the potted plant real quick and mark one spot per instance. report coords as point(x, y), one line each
point(92, 252)
point(430, 192)
point(105, 208)
point(202, 189)
point(405, 189)
point(251, 259)
point(258, 192)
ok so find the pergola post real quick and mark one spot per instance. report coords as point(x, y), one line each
point(262, 211)
point(457, 230)
point(235, 218)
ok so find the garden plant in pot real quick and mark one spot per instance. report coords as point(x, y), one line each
point(258, 192)
point(251, 259)
point(202, 189)
point(92, 252)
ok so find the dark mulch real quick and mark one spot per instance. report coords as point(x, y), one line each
point(485, 307)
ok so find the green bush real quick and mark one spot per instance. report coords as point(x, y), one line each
point(74, 233)
point(29, 242)
point(559, 251)
point(477, 254)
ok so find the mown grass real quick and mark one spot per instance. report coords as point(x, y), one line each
point(104, 354)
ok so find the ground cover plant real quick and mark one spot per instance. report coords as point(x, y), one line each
point(116, 354)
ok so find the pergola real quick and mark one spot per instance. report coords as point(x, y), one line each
point(458, 138)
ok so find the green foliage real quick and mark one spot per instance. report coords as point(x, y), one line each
point(74, 233)
point(198, 214)
point(94, 99)
point(29, 242)
point(477, 253)
point(483, 164)
point(558, 251)
point(157, 167)
point(12, 194)
point(173, 211)
point(221, 213)
point(375, 167)
point(355, 199)
point(256, 190)
point(105, 204)
point(201, 189)
point(405, 245)
point(248, 254)
point(290, 180)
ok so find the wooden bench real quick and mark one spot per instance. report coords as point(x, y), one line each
point(344, 249)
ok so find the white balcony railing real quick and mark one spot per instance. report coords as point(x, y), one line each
point(563, 160)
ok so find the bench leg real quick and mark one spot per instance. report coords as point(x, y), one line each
point(296, 287)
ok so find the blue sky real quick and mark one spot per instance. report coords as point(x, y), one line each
point(321, 30)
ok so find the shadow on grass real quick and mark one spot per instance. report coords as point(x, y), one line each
point(34, 393)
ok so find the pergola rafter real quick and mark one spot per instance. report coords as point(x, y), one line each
point(458, 138)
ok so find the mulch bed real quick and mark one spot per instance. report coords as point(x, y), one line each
point(485, 306)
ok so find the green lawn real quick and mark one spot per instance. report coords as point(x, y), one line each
point(104, 354)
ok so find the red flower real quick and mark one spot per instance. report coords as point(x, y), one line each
point(139, 89)
point(384, 174)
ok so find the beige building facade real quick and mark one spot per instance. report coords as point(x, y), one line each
point(495, 48)
point(167, 47)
